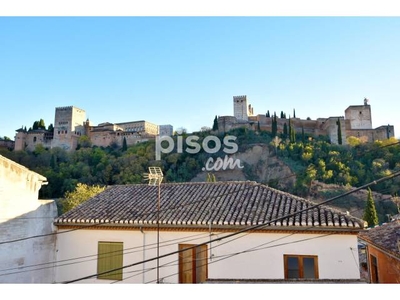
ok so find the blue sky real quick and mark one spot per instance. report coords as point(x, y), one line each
point(185, 70)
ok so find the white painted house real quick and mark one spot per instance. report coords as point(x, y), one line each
point(26, 225)
point(210, 231)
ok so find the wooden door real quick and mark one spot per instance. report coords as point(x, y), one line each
point(192, 263)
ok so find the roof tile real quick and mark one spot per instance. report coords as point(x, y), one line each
point(197, 203)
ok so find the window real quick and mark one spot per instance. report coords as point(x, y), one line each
point(301, 266)
point(109, 257)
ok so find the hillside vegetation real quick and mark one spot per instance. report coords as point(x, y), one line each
point(299, 165)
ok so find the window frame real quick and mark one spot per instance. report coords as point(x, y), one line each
point(111, 261)
point(301, 265)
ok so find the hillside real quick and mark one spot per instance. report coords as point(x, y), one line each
point(262, 165)
point(309, 167)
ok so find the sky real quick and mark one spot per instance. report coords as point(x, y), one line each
point(184, 70)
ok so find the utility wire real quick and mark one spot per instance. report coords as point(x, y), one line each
point(84, 226)
point(254, 227)
point(108, 223)
point(108, 254)
point(255, 248)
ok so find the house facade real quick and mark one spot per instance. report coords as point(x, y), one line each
point(202, 232)
point(26, 226)
point(383, 252)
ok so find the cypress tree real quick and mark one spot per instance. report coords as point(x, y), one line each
point(267, 115)
point(285, 130)
point(339, 132)
point(370, 215)
point(294, 113)
point(292, 132)
point(274, 126)
point(215, 125)
point(124, 145)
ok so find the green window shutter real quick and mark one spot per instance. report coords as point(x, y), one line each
point(109, 257)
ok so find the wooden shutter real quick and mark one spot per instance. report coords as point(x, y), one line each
point(110, 256)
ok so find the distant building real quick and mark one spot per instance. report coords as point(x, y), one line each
point(70, 124)
point(8, 144)
point(167, 130)
point(357, 122)
point(68, 127)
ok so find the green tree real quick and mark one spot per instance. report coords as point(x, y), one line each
point(267, 115)
point(41, 124)
point(274, 126)
point(84, 142)
point(292, 132)
point(35, 125)
point(370, 214)
point(275, 142)
point(81, 194)
point(124, 145)
point(215, 125)
point(339, 132)
point(285, 130)
point(294, 113)
point(50, 128)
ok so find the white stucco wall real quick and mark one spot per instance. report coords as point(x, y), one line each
point(77, 254)
point(23, 215)
point(29, 261)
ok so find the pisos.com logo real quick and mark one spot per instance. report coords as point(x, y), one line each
point(210, 144)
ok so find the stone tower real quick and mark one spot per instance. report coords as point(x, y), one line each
point(68, 127)
point(241, 110)
point(359, 116)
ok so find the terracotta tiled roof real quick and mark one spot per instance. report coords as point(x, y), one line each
point(386, 237)
point(230, 204)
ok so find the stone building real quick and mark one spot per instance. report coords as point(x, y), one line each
point(68, 127)
point(7, 144)
point(166, 130)
point(70, 124)
point(357, 122)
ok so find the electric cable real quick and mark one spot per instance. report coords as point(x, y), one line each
point(254, 227)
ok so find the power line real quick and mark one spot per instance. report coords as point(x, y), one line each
point(84, 226)
point(239, 231)
point(170, 242)
point(256, 248)
point(193, 203)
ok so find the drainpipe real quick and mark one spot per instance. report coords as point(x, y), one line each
point(144, 256)
point(210, 230)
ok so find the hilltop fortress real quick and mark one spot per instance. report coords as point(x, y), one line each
point(357, 122)
point(70, 124)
